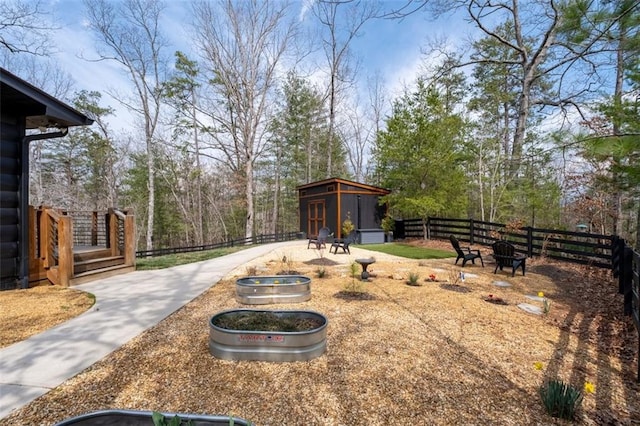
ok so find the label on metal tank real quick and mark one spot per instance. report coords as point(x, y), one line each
point(260, 338)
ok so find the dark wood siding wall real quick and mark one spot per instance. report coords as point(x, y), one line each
point(10, 166)
point(341, 198)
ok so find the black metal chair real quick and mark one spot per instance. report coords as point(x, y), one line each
point(470, 255)
point(320, 240)
point(343, 244)
point(505, 255)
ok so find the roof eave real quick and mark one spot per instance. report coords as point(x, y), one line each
point(51, 112)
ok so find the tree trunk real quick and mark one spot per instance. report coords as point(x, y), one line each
point(249, 223)
point(199, 230)
point(276, 193)
point(332, 118)
point(152, 192)
point(617, 101)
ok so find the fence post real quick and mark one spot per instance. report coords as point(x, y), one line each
point(529, 241)
point(626, 278)
point(94, 228)
point(617, 253)
point(112, 234)
point(428, 236)
point(129, 239)
point(65, 250)
point(44, 238)
point(471, 231)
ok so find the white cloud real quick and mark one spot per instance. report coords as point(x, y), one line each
point(307, 5)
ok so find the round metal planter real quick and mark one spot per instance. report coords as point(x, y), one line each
point(144, 418)
point(273, 289)
point(277, 346)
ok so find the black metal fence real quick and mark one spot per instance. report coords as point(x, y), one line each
point(625, 263)
point(576, 247)
point(257, 239)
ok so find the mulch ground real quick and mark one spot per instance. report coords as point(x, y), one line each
point(435, 353)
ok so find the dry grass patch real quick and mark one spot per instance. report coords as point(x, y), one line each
point(30, 311)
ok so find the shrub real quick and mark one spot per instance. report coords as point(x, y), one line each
point(347, 225)
point(414, 279)
point(322, 272)
point(560, 399)
point(388, 223)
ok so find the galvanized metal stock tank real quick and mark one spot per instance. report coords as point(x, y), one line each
point(275, 346)
point(273, 289)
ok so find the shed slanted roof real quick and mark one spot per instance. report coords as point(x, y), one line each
point(371, 188)
point(39, 108)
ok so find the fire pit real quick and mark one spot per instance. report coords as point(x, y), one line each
point(247, 334)
point(273, 289)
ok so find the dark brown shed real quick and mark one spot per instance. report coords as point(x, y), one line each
point(329, 202)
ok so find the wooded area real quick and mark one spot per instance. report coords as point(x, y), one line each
point(535, 120)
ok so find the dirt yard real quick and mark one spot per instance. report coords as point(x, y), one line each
point(436, 353)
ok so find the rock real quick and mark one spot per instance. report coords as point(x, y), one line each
point(536, 310)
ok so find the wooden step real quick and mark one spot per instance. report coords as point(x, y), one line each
point(89, 276)
point(82, 255)
point(96, 264)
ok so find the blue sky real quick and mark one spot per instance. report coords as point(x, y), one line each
point(389, 47)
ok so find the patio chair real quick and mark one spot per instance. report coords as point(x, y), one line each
point(505, 255)
point(469, 255)
point(321, 239)
point(343, 243)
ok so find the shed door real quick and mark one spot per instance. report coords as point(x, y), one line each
point(316, 215)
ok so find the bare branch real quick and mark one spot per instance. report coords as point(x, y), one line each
point(25, 27)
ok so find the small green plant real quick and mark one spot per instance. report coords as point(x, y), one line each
point(347, 225)
point(388, 223)
point(160, 420)
point(286, 265)
point(355, 285)
point(353, 269)
point(454, 276)
point(560, 399)
point(322, 272)
point(413, 279)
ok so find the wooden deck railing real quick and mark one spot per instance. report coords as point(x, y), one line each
point(53, 236)
point(50, 245)
point(121, 234)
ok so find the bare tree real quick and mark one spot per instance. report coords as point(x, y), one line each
point(342, 21)
point(129, 34)
point(25, 27)
point(46, 74)
point(541, 48)
point(242, 44)
point(43, 72)
point(357, 136)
